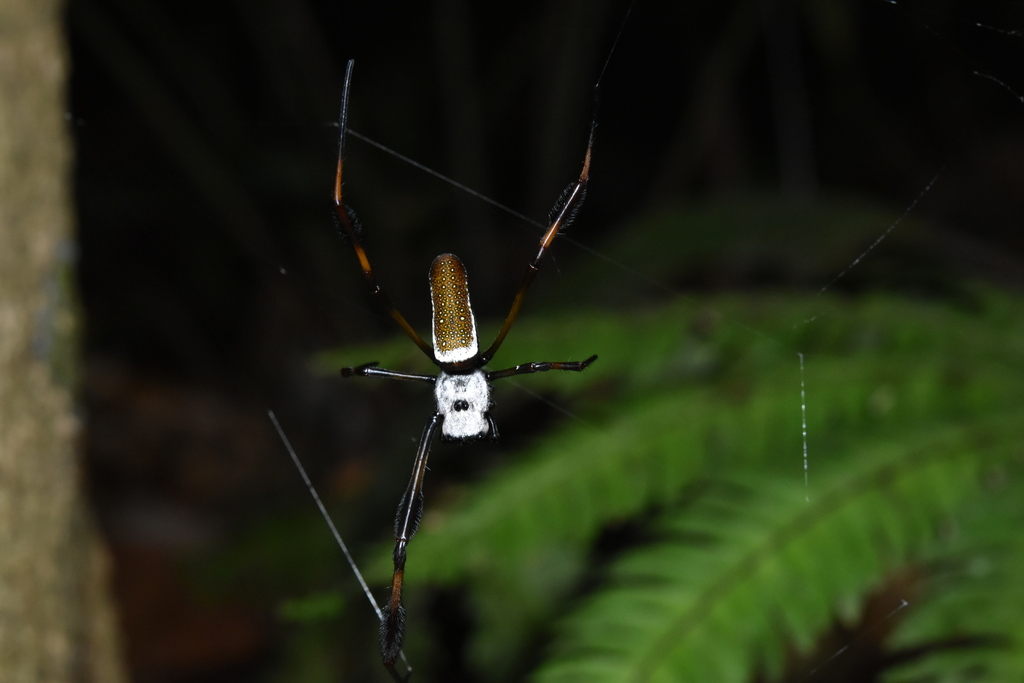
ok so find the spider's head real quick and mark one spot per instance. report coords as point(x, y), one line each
point(463, 400)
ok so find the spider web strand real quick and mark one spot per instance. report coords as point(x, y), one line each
point(334, 530)
point(886, 233)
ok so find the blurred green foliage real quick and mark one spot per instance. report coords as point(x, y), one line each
point(670, 528)
point(691, 430)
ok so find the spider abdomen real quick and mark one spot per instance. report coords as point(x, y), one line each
point(463, 400)
point(454, 326)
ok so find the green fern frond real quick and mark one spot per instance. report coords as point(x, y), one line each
point(656, 440)
point(677, 405)
point(778, 566)
point(898, 399)
point(975, 592)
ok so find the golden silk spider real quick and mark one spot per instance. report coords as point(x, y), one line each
point(462, 387)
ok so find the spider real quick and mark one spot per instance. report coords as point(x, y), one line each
point(462, 387)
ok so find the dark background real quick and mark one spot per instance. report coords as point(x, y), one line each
point(210, 270)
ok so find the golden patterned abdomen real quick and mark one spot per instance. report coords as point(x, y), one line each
point(454, 325)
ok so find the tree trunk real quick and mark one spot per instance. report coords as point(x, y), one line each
point(57, 622)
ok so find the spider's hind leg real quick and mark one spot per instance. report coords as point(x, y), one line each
point(351, 229)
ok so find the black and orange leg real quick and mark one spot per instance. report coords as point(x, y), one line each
point(543, 366)
point(562, 214)
point(410, 510)
point(350, 227)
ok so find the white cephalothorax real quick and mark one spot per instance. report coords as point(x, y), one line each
point(463, 402)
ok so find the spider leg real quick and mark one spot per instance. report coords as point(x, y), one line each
point(543, 366)
point(407, 520)
point(350, 227)
point(371, 370)
point(562, 215)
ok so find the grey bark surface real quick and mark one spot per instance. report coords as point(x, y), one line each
point(57, 621)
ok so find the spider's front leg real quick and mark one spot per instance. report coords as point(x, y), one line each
point(407, 521)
